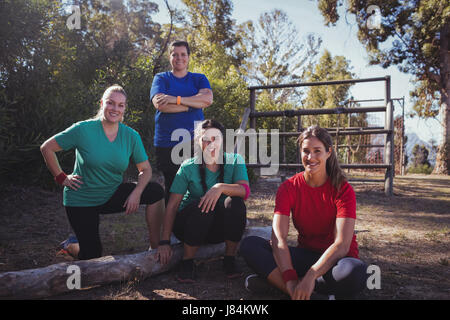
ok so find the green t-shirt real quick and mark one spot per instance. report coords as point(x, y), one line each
point(98, 161)
point(188, 180)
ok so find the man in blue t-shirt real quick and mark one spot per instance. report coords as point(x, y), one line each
point(179, 97)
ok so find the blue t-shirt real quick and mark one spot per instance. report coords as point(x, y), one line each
point(100, 162)
point(166, 123)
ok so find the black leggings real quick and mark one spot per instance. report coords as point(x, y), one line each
point(85, 220)
point(347, 278)
point(167, 167)
point(226, 222)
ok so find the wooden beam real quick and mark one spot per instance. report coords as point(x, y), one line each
point(53, 280)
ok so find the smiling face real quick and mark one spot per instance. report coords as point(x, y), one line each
point(179, 58)
point(314, 155)
point(211, 141)
point(113, 104)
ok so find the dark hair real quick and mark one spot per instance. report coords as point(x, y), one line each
point(180, 43)
point(333, 168)
point(204, 125)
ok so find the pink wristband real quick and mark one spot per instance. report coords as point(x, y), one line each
point(289, 275)
point(247, 190)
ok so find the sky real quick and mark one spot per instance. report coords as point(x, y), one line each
point(339, 40)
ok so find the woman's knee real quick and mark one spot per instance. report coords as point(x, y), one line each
point(153, 192)
point(351, 273)
point(252, 245)
point(235, 214)
point(193, 225)
point(257, 252)
point(237, 204)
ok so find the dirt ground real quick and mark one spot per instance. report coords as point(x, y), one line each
point(406, 236)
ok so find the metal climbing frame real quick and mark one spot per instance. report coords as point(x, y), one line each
point(250, 115)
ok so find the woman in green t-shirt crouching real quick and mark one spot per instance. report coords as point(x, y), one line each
point(103, 148)
point(206, 203)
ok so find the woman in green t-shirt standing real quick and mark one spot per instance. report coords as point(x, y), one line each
point(206, 203)
point(103, 148)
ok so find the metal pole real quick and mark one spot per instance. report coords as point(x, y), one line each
point(299, 129)
point(252, 108)
point(347, 150)
point(283, 148)
point(402, 147)
point(389, 146)
point(320, 83)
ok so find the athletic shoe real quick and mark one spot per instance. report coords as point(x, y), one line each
point(258, 285)
point(69, 240)
point(186, 271)
point(63, 252)
point(230, 268)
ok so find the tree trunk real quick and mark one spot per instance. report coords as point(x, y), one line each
point(442, 157)
point(60, 278)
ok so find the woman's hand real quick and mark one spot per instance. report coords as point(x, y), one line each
point(290, 287)
point(73, 181)
point(209, 200)
point(164, 253)
point(304, 288)
point(132, 202)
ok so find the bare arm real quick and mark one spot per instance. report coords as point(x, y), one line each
point(145, 175)
point(209, 200)
point(280, 230)
point(161, 104)
point(280, 249)
point(48, 150)
point(168, 103)
point(203, 99)
point(233, 189)
point(165, 251)
point(134, 199)
point(171, 211)
point(344, 234)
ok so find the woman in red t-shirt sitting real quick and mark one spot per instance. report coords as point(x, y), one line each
point(323, 208)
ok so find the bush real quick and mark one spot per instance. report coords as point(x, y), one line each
point(421, 169)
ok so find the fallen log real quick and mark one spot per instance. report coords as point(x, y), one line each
point(62, 277)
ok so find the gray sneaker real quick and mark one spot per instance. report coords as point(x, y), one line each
point(256, 284)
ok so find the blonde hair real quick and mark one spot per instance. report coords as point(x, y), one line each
point(113, 88)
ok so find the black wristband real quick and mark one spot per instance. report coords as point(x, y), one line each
point(164, 242)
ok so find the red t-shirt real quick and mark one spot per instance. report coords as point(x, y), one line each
point(314, 211)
